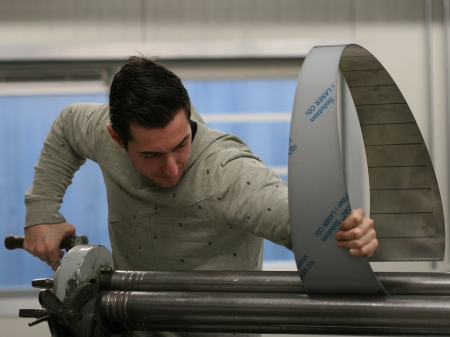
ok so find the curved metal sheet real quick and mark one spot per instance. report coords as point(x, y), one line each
point(405, 202)
point(406, 208)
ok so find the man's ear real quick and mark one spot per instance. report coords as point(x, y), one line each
point(115, 136)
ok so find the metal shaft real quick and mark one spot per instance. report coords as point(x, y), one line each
point(261, 282)
point(278, 313)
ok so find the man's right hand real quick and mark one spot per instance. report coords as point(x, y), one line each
point(43, 241)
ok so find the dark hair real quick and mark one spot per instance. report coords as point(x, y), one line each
point(146, 93)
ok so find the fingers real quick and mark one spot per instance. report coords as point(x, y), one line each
point(357, 234)
point(46, 251)
point(353, 220)
point(43, 242)
point(365, 245)
point(366, 250)
point(54, 264)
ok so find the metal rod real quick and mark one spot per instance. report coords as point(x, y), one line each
point(346, 315)
point(289, 329)
point(40, 320)
point(261, 282)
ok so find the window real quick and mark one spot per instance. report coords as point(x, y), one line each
point(258, 111)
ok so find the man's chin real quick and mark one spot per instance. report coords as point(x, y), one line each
point(166, 183)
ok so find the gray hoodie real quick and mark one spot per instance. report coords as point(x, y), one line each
point(215, 218)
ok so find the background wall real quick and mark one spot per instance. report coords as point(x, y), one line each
point(80, 40)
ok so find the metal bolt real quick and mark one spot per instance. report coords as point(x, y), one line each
point(70, 315)
point(45, 283)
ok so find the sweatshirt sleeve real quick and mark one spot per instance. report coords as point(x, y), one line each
point(253, 198)
point(68, 144)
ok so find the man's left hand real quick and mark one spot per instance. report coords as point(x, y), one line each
point(357, 234)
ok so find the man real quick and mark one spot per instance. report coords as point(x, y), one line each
point(181, 196)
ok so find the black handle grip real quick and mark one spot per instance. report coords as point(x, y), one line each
point(14, 242)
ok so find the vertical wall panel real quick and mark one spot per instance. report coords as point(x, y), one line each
point(247, 19)
point(83, 21)
point(69, 21)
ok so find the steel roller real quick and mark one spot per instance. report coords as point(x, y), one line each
point(277, 313)
point(261, 282)
point(116, 302)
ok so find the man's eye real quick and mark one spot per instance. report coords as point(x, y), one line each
point(149, 156)
point(181, 146)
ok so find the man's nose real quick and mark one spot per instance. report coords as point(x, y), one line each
point(171, 168)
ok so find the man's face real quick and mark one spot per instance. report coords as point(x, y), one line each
point(160, 154)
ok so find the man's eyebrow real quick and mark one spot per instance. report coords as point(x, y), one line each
point(176, 147)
